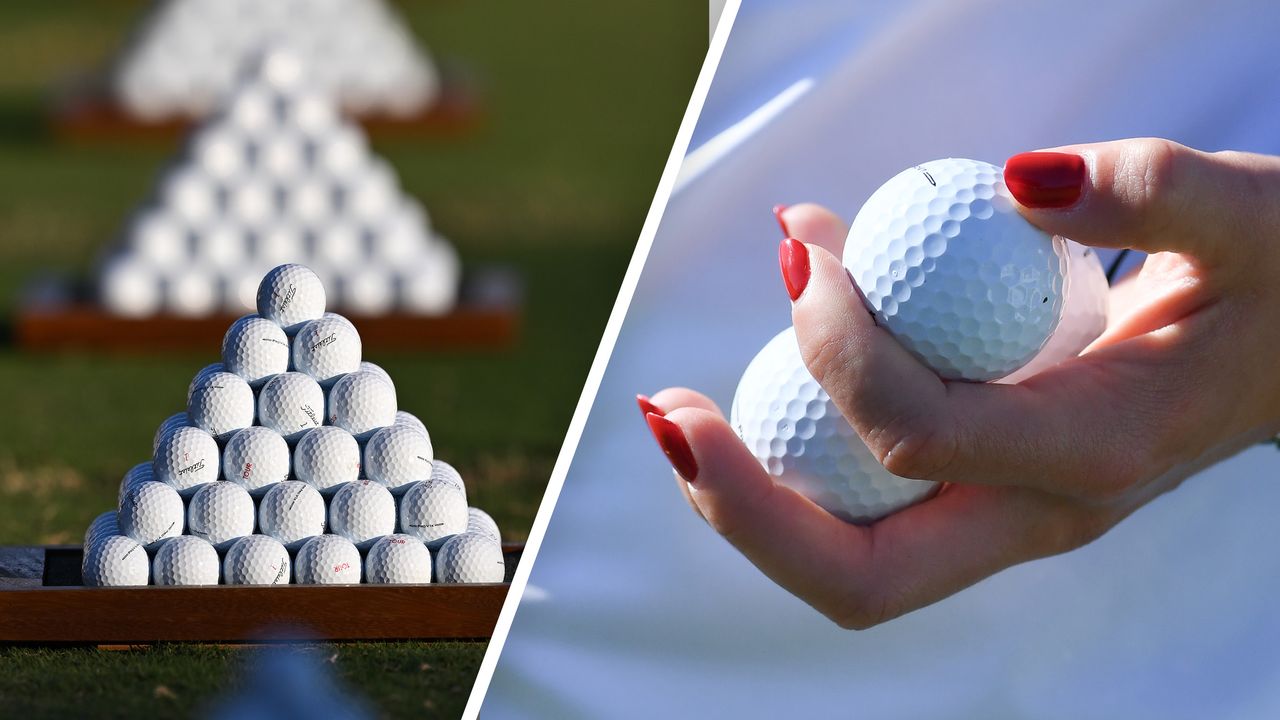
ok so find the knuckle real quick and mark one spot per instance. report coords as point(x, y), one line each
point(916, 447)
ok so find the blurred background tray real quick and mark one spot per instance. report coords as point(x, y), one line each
point(56, 314)
point(43, 602)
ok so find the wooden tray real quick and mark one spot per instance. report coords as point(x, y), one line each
point(56, 315)
point(43, 602)
point(84, 112)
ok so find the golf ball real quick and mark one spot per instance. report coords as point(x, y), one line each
point(116, 561)
point(362, 511)
point(470, 558)
point(360, 403)
point(290, 295)
point(326, 349)
point(797, 433)
point(950, 268)
point(291, 404)
point(103, 526)
point(255, 349)
point(186, 459)
point(398, 455)
point(173, 421)
point(256, 560)
point(376, 369)
point(255, 459)
point(221, 404)
point(478, 521)
point(443, 472)
point(151, 512)
point(433, 511)
point(200, 376)
point(405, 418)
point(220, 512)
point(186, 560)
point(138, 474)
point(398, 559)
point(327, 560)
point(291, 512)
point(326, 458)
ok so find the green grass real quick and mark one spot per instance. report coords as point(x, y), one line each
point(581, 103)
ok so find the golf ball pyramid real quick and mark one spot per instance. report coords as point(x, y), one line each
point(277, 178)
point(259, 489)
point(797, 433)
point(950, 268)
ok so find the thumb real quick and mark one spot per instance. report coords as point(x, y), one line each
point(1150, 194)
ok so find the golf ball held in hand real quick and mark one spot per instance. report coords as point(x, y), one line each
point(947, 265)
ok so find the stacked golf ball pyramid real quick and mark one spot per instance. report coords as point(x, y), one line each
point(278, 176)
point(292, 463)
point(185, 55)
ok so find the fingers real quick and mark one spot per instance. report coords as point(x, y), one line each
point(861, 576)
point(813, 224)
point(1028, 435)
point(1144, 193)
point(668, 400)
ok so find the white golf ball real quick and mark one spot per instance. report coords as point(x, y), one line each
point(291, 512)
point(160, 239)
point(138, 474)
point(253, 202)
point(398, 560)
point(327, 348)
point(1084, 313)
point(221, 512)
point(327, 560)
point(368, 290)
point(278, 243)
point(103, 526)
point(192, 291)
point(407, 418)
point(221, 153)
point(257, 560)
point(190, 194)
point(398, 455)
point(362, 511)
point(175, 420)
point(291, 404)
point(797, 433)
point(222, 245)
point(478, 521)
point(376, 369)
point(290, 295)
point(151, 512)
point(255, 349)
point(130, 287)
point(443, 472)
point(197, 379)
point(362, 402)
point(429, 285)
point(186, 560)
point(327, 457)
point(470, 558)
point(116, 561)
point(221, 404)
point(186, 458)
point(255, 459)
point(433, 511)
point(950, 268)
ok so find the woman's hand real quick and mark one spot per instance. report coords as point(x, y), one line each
point(1184, 376)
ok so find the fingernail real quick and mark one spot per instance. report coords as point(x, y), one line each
point(777, 214)
point(1045, 179)
point(793, 256)
point(673, 442)
point(647, 406)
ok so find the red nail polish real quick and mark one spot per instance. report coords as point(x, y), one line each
point(793, 256)
point(646, 406)
point(777, 214)
point(673, 442)
point(1045, 179)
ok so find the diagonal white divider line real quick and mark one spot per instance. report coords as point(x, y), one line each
point(592, 386)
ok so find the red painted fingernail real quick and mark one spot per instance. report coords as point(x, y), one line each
point(1045, 179)
point(673, 442)
point(647, 406)
point(793, 256)
point(777, 214)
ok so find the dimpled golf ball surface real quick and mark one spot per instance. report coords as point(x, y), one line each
point(290, 295)
point(105, 525)
point(255, 459)
point(173, 421)
point(470, 558)
point(327, 349)
point(797, 433)
point(221, 513)
point(291, 512)
point(138, 474)
point(327, 457)
point(398, 455)
point(256, 560)
point(478, 521)
point(291, 404)
point(221, 404)
point(327, 560)
point(950, 268)
point(406, 418)
point(1084, 313)
point(432, 511)
point(185, 560)
point(116, 561)
point(362, 511)
point(360, 403)
point(443, 472)
point(255, 349)
point(398, 560)
point(186, 458)
point(151, 512)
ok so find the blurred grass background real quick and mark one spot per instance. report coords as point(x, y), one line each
point(581, 103)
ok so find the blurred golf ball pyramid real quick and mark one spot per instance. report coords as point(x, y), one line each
point(187, 53)
point(254, 485)
point(277, 176)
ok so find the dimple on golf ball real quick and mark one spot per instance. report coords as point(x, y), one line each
point(291, 512)
point(290, 295)
point(327, 457)
point(221, 512)
point(398, 559)
point(257, 560)
point(470, 558)
point(255, 349)
point(326, 349)
point(327, 560)
point(255, 459)
point(362, 511)
point(291, 404)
